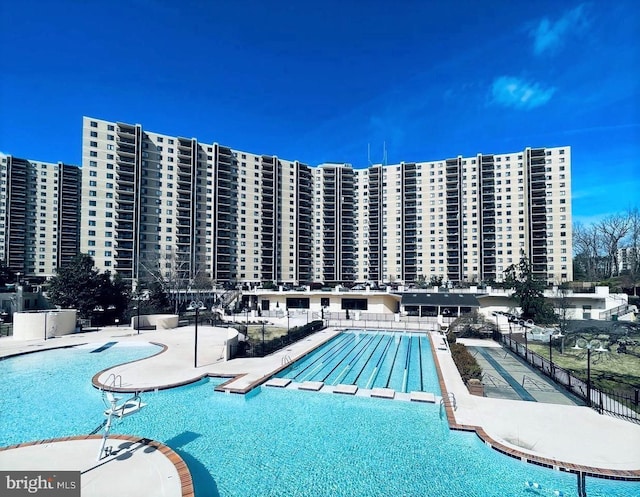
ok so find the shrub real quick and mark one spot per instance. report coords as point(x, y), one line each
point(467, 365)
point(451, 336)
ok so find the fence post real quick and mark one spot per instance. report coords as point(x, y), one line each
point(636, 395)
point(600, 406)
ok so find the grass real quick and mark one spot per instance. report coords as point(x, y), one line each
point(613, 371)
point(255, 332)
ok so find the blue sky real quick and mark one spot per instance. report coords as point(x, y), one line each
point(321, 81)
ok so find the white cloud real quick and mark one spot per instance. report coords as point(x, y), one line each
point(517, 93)
point(549, 36)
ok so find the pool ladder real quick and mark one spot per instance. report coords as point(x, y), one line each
point(449, 400)
point(113, 381)
point(286, 360)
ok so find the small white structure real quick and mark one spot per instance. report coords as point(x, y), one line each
point(159, 321)
point(32, 325)
point(598, 303)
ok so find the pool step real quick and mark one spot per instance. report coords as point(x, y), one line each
point(346, 389)
point(383, 393)
point(311, 385)
point(278, 382)
point(422, 397)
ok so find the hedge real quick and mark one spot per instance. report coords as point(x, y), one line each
point(467, 365)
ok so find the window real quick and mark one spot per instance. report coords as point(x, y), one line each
point(354, 304)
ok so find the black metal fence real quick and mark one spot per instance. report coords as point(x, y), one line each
point(6, 329)
point(261, 349)
point(614, 403)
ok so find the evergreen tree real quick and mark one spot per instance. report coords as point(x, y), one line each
point(6, 275)
point(529, 292)
point(158, 301)
point(78, 285)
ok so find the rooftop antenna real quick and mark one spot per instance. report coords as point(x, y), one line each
point(384, 153)
point(369, 154)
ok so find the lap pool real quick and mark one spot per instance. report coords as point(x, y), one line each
point(276, 442)
point(370, 359)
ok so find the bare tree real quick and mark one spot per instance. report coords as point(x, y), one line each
point(587, 242)
point(175, 275)
point(631, 245)
point(613, 229)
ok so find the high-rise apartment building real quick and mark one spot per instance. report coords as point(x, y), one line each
point(335, 223)
point(39, 215)
point(191, 210)
point(467, 218)
point(628, 259)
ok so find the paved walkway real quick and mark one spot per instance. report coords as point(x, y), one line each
point(506, 376)
point(572, 436)
point(568, 435)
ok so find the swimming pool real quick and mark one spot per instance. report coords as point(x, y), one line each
point(276, 442)
point(370, 359)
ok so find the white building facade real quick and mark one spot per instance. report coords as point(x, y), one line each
point(191, 210)
point(39, 215)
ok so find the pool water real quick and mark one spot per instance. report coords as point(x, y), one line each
point(371, 359)
point(277, 442)
point(52, 391)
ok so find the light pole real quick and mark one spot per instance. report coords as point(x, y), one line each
point(596, 346)
point(138, 312)
point(110, 309)
point(3, 318)
point(524, 325)
point(262, 338)
point(98, 310)
point(197, 306)
point(551, 337)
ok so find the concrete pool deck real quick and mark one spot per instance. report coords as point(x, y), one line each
point(574, 438)
point(135, 467)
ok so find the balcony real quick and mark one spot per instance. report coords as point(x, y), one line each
point(120, 159)
point(126, 132)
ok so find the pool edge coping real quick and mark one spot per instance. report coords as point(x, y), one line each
point(578, 469)
point(186, 481)
point(603, 473)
